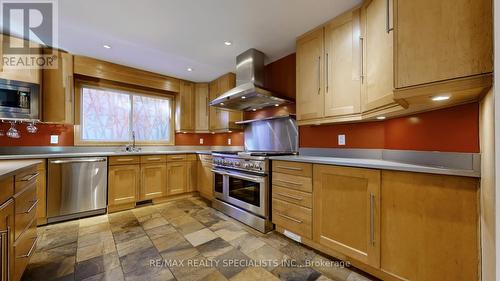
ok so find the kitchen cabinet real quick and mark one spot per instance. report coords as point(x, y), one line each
point(347, 211)
point(123, 186)
point(41, 193)
point(185, 108)
point(343, 65)
point(30, 75)
point(223, 120)
point(153, 181)
point(192, 175)
point(6, 225)
point(201, 107)
point(205, 177)
point(177, 177)
point(58, 90)
point(310, 94)
point(429, 226)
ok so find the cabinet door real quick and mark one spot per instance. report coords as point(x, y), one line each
point(185, 109)
point(201, 113)
point(377, 44)
point(30, 75)
point(441, 40)
point(223, 119)
point(123, 184)
point(342, 72)
point(310, 93)
point(153, 181)
point(58, 106)
point(177, 178)
point(7, 226)
point(192, 170)
point(213, 116)
point(205, 180)
point(41, 194)
point(429, 226)
point(346, 211)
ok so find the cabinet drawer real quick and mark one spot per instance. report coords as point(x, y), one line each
point(293, 196)
point(25, 209)
point(292, 217)
point(6, 189)
point(124, 160)
point(293, 182)
point(293, 168)
point(153, 158)
point(24, 248)
point(191, 157)
point(25, 178)
point(177, 157)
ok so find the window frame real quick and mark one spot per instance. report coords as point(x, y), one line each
point(80, 84)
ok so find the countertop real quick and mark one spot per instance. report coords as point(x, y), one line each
point(10, 168)
point(379, 164)
point(96, 154)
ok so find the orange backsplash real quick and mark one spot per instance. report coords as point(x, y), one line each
point(454, 129)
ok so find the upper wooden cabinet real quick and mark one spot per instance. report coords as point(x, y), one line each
point(30, 75)
point(343, 65)
point(201, 97)
point(310, 92)
point(346, 206)
point(185, 108)
point(222, 120)
point(58, 90)
point(441, 40)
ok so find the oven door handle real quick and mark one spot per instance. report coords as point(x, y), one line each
point(219, 172)
point(244, 177)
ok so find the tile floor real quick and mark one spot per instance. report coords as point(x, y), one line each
point(179, 240)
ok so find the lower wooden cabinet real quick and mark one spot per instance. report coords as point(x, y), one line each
point(347, 211)
point(153, 181)
point(6, 225)
point(123, 184)
point(205, 177)
point(41, 193)
point(177, 180)
point(192, 169)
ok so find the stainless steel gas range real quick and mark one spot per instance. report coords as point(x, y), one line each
point(242, 180)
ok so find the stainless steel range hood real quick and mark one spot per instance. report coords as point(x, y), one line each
point(249, 93)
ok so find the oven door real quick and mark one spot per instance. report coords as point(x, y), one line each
point(220, 182)
point(248, 192)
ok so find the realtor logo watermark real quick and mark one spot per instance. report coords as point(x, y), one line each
point(36, 22)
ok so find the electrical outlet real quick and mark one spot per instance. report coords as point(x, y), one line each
point(228, 141)
point(341, 139)
point(201, 140)
point(54, 139)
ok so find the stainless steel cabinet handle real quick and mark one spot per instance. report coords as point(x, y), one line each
point(30, 251)
point(154, 159)
point(289, 218)
point(177, 157)
point(176, 166)
point(30, 177)
point(388, 27)
point(289, 168)
point(90, 160)
point(326, 70)
point(372, 218)
point(290, 196)
point(124, 160)
point(319, 75)
point(288, 182)
point(31, 207)
point(362, 62)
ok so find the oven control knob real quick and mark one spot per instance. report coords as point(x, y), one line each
point(246, 166)
point(237, 164)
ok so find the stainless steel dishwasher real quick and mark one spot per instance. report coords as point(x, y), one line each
point(77, 187)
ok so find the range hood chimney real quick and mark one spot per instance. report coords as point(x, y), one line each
point(249, 93)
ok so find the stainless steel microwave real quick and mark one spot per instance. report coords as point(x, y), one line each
point(19, 100)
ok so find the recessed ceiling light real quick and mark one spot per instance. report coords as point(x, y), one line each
point(276, 105)
point(380, 117)
point(221, 103)
point(440, 98)
point(228, 43)
point(106, 46)
point(243, 97)
point(254, 109)
point(189, 69)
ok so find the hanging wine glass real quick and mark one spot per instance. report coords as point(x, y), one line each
point(13, 132)
point(31, 128)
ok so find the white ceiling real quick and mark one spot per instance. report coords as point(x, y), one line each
point(168, 36)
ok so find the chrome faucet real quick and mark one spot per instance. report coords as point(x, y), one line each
point(132, 148)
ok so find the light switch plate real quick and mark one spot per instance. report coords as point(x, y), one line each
point(228, 141)
point(54, 139)
point(201, 140)
point(341, 139)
